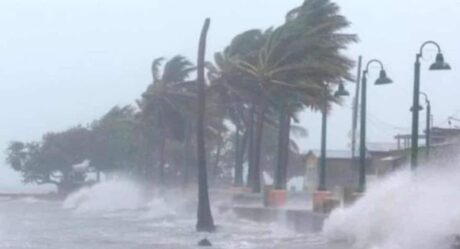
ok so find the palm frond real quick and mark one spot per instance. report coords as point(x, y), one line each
point(177, 69)
point(156, 68)
point(298, 131)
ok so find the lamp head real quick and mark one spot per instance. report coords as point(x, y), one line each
point(383, 78)
point(341, 92)
point(439, 64)
point(420, 108)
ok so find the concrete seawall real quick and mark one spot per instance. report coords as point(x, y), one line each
point(302, 221)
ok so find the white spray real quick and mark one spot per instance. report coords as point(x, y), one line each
point(112, 195)
point(405, 210)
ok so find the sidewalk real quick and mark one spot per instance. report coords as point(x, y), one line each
point(297, 215)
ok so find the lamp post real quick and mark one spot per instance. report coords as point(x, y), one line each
point(428, 124)
point(341, 92)
point(439, 64)
point(382, 80)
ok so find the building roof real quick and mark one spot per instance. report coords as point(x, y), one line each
point(381, 147)
point(336, 154)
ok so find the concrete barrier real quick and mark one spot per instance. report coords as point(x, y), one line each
point(303, 221)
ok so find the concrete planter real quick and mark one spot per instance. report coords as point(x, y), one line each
point(275, 198)
point(319, 198)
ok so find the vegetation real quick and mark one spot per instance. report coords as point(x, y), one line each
point(53, 160)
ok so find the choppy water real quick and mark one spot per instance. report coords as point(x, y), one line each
point(402, 211)
point(91, 219)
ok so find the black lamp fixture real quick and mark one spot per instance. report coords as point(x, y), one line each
point(341, 92)
point(383, 78)
point(439, 64)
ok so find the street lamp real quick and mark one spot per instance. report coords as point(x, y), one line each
point(439, 64)
point(428, 124)
point(341, 92)
point(382, 80)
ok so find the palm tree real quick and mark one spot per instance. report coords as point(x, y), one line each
point(293, 64)
point(237, 91)
point(229, 103)
point(319, 23)
point(163, 102)
point(205, 221)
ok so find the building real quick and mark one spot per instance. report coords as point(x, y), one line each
point(385, 158)
point(341, 170)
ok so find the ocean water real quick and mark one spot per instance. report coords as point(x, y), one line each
point(405, 210)
point(114, 215)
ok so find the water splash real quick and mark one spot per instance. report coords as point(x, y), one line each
point(404, 210)
point(30, 200)
point(112, 195)
point(158, 208)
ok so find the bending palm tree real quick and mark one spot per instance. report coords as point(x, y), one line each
point(163, 102)
point(293, 64)
point(205, 221)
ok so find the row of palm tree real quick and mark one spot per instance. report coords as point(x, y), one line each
point(263, 77)
point(270, 76)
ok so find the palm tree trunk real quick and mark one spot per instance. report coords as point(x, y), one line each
point(240, 146)
point(150, 169)
point(259, 126)
point(250, 128)
point(161, 168)
point(187, 153)
point(236, 146)
point(205, 221)
point(283, 148)
point(215, 172)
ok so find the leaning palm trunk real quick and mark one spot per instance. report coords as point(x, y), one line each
point(250, 128)
point(283, 148)
point(161, 167)
point(240, 148)
point(258, 133)
point(187, 153)
point(237, 145)
point(215, 173)
point(205, 221)
point(150, 169)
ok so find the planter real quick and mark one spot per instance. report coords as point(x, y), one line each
point(330, 204)
point(319, 198)
point(275, 198)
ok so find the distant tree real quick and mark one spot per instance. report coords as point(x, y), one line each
point(52, 160)
point(115, 144)
point(17, 155)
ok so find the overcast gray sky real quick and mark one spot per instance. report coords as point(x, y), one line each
point(68, 62)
